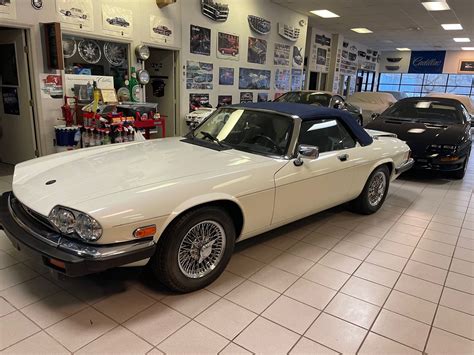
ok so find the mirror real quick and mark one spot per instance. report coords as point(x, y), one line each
point(338, 105)
point(306, 151)
point(375, 115)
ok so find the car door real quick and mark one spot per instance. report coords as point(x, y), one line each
point(323, 182)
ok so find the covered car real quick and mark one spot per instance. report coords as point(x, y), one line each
point(464, 99)
point(371, 103)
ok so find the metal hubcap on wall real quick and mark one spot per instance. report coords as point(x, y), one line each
point(377, 188)
point(201, 249)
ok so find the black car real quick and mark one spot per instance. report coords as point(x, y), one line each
point(322, 98)
point(438, 131)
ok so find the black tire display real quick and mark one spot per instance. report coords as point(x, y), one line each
point(194, 250)
point(374, 193)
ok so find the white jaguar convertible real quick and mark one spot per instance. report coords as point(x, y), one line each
point(180, 204)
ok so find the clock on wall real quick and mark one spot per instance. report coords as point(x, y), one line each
point(37, 4)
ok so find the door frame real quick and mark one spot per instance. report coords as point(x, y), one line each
point(177, 82)
point(33, 83)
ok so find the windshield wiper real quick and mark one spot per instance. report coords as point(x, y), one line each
point(212, 138)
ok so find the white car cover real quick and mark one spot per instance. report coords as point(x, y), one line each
point(371, 102)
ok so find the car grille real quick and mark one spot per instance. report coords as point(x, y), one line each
point(37, 217)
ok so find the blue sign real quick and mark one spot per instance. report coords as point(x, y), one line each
point(427, 62)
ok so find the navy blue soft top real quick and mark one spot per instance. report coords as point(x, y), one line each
point(310, 112)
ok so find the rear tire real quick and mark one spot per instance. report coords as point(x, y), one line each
point(186, 259)
point(374, 193)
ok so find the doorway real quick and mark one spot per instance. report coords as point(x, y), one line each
point(344, 85)
point(365, 80)
point(17, 127)
point(317, 81)
point(162, 88)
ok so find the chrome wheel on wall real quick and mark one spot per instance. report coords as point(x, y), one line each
point(195, 249)
point(201, 249)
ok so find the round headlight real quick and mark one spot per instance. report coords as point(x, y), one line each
point(88, 228)
point(63, 219)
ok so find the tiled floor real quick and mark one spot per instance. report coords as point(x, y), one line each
point(400, 281)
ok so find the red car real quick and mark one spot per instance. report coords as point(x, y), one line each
point(232, 51)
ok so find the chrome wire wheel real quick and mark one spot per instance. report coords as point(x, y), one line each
point(377, 188)
point(201, 249)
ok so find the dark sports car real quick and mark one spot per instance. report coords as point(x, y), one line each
point(438, 131)
point(324, 99)
point(118, 21)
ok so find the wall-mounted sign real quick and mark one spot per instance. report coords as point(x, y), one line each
point(427, 62)
point(53, 45)
point(466, 66)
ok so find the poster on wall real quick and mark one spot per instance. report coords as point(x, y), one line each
point(257, 50)
point(466, 66)
point(254, 79)
point(323, 40)
point(427, 62)
point(76, 14)
point(8, 9)
point(51, 86)
point(297, 56)
point(296, 79)
point(321, 54)
point(11, 105)
point(227, 46)
point(262, 97)
point(199, 75)
point(198, 100)
point(282, 79)
point(71, 80)
point(117, 20)
point(161, 30)
point(281, 54)
point(226, 76)
point(246, 97)
point(200, 40)
point(224, 100)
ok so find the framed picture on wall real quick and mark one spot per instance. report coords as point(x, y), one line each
point(200, 40)
point(226, 76)
point(257, 50)
point(227, 46)
point(466, 66)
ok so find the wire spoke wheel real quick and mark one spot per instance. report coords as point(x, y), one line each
point(201, 249)
point(377, 188)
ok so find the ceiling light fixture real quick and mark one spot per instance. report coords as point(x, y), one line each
point(467, 48)
point(436, 5)
point(324, 13)
point(361, 30)
point(451, 26)
point(461, 39)
point(403, 49)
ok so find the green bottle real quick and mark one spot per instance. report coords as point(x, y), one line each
point(133, 86)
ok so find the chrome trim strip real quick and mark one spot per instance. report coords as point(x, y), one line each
point(103, 252)
point(405, 166)
point(18, 221)
point(291, 153)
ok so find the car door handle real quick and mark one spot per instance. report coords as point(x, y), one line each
point(343, 157)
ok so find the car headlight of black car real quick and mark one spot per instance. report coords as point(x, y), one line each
point(69, 221)
point(446, 147)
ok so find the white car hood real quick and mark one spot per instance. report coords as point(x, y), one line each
point(95, 172)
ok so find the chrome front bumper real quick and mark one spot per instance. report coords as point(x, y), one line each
point(78, 258)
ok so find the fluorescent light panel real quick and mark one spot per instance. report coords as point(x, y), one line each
point(324, 13)
point(451, 26)
point(403, 49)
point(467, 48)
point(435, 5)
point(361, 30)
point(461, 39)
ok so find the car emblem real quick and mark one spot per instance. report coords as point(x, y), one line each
point(50, 182)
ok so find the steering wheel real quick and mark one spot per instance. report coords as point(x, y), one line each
point(267, 139)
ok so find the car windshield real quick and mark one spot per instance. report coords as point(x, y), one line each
point(252, 131)
point(311, 98)
point(426, 111)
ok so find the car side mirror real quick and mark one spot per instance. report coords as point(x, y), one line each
point(338, 105)
point(310, 152)
point(375, 115)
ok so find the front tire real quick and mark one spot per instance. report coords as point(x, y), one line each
point(194, 250)
point(374, 193)
point(459, 174)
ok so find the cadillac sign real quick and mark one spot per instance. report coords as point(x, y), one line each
point(427, 62)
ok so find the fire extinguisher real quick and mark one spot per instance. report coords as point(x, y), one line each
point(67, 111)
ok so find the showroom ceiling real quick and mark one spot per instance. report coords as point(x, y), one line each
point(395, 23)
